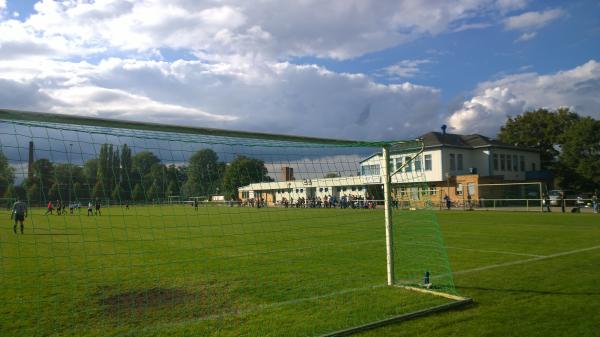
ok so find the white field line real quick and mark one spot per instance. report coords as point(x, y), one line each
point(512, 263)
point(494, 251)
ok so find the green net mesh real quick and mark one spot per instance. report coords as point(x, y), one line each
point(135, 231)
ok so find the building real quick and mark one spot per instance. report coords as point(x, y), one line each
point(450, 164)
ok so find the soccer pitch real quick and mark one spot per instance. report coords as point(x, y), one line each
point(174, 271)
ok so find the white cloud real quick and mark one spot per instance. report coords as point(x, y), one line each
point(526, 37)
point(577, 88)
point(337, 29)
point(273, 97)
point(406, 68)
point(510, 5)
point(532, 20)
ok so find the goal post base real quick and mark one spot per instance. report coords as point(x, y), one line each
point(459, 302)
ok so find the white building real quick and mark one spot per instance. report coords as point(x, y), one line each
point(460, 161)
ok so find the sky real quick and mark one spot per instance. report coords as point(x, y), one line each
point(347, 69)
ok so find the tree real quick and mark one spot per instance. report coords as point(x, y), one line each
point(43, 174)
point(34, 193)
point(540, 129)
point(243, 171)
point(138, 193)
point(98, 192)
point(7, 174)
point(579, 160)
point(143, 161)
point(126, 183)
point(90, 171)
point(116, 193)
point(203, 173)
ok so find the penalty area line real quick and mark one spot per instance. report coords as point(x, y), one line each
point(535, 259)
point(494, 251)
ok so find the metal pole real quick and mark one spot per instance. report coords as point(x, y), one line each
point(389, 241)
point(541, 199)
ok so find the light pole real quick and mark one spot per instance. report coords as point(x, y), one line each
point(70, 171)
point(448, 185)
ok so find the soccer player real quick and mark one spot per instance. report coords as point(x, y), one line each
point(58, 207)
point(98, 207)
point(19, 213)
point(90, 208)
point(50, 208)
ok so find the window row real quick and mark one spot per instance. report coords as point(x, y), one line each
point(508, 162)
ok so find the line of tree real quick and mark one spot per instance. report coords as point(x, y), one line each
point(569, 145)
point(117, 174)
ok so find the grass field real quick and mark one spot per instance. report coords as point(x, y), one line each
point(171, 271)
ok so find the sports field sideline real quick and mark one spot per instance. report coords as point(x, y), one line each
point(167, 271)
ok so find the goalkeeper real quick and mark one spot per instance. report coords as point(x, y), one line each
point(19, 213)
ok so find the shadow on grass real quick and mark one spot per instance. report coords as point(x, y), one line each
point(531, 291)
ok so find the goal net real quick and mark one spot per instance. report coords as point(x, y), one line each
point(182, 230)
point(527, 196)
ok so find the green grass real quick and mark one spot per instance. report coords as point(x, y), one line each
point(171, 271)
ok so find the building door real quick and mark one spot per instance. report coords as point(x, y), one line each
point(311, 192)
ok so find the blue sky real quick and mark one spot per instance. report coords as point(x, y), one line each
point(341, 69)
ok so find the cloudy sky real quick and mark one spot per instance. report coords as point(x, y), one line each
point(340, 69)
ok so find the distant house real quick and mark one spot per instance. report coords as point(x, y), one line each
point(450, 164)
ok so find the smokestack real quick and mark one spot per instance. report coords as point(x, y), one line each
point(444, 129)
point(30, 163)
point(287, 173)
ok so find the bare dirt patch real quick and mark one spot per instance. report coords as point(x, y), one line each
point(166, 303)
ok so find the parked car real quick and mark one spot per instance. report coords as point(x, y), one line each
point(554, 197)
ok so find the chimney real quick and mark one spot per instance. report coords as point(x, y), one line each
point(30, 163)
point(444, 129)
point(287, 173)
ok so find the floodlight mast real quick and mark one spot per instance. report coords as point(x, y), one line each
point(389, 239)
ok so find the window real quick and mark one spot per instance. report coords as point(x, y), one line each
point(297, 190)
point(408, 167)
point(471, 187)
point(392, 165)
point(418, 162)
point(326, 189)
point(459, 189)
point(369, 170)
point(320, 189)
point(508, 162)
point(427, 162)
point(515, 162)
point(502, 163)
point(495, 161)
point(452, 162)
point(522, 163)
point(459, 161)
point(353, 188)
point(301, 190)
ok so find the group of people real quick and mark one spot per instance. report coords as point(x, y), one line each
point(579, 202)
point(327, 201)
point(19, 211)
point(60, 208)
